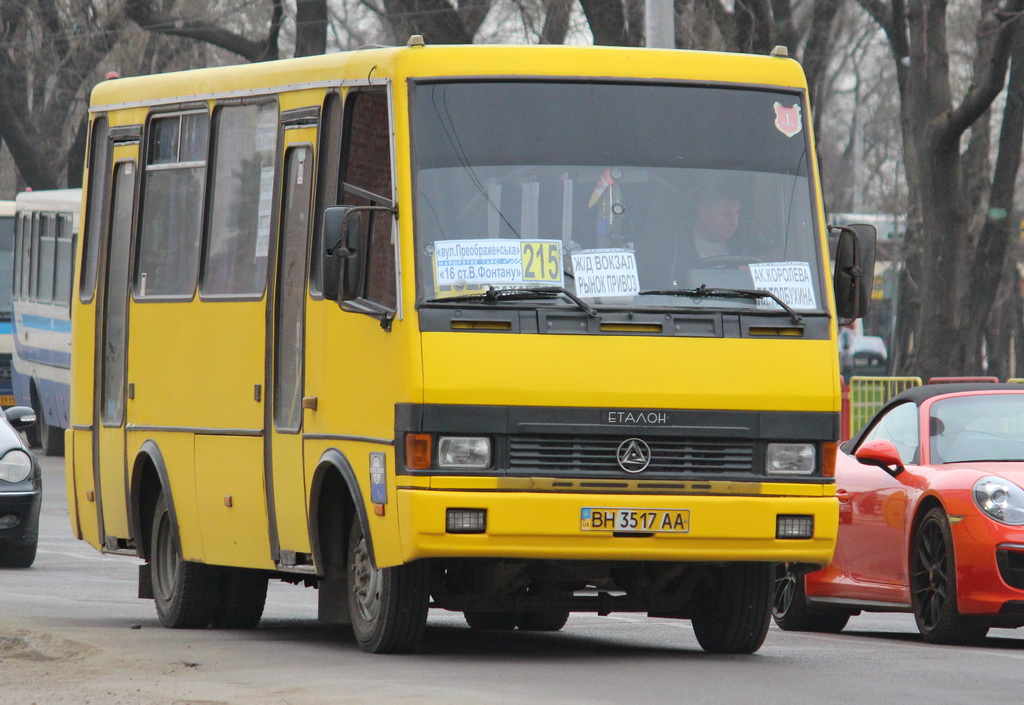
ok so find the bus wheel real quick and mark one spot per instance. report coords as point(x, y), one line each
point(184, 592)
point(735, 621)
point(491, 621)
point(243, 594)
point(388, 605)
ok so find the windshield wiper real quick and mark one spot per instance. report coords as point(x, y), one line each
point(704, 290)
point(494, 295)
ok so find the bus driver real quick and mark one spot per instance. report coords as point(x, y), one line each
point(711, 236)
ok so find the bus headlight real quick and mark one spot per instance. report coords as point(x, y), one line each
point(790, 459)
point(15, 466)
point(463, 452)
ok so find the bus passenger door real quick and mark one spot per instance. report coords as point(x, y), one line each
point(286, 336)
point(111, 360)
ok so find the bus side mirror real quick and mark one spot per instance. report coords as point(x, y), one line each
point(344, 253)
point(854, 271)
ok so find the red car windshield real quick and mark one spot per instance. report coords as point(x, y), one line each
point(975, 428)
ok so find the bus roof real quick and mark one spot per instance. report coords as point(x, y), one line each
point(402, 63)
point(67, 199)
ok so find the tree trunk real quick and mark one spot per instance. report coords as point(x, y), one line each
point(754, 26)
point(438, 21)
point(607, 20)
point(817, 52)
point(990, 256)
point(950, 294)
point(76, 154)
point(556, 21)
point(310, 27)
point(786, 31)
point(1005, 326)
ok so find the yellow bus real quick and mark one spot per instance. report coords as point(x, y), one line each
point(430, 327)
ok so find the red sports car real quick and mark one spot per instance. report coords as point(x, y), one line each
point(931, 518)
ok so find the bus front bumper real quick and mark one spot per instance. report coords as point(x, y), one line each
point(551, 526)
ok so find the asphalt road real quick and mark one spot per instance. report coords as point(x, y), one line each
point(73, 632)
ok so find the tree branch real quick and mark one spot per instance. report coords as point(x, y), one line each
point(998, 29)
point(148, 17)
point(994, 240)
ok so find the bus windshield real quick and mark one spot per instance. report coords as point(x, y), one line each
point(622, 194)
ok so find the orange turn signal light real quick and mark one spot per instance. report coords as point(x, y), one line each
point(828, 459)
point(419, 449)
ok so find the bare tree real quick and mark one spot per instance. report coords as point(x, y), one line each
point(615, 22)
point(47, 59)
point(945, 304)
point(152, 17)
point(311, 20)
point(557, 14)
point(310, 27)
point(439, 21)
point(818, 51)
point(743, 25)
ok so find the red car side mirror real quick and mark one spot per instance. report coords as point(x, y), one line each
point(882, 453)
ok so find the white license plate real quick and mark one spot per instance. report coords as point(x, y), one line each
point(675, 521)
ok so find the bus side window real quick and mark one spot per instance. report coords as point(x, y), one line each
point(239, 213)
point(327, 179)
point(65, 260)
point(32, 257)
point(99, 177)
point(27, 220)
point(172, 205)
point(45, 257)
point(366, 181)
point(19, 243)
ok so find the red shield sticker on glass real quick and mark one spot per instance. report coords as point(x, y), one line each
point(787, 120)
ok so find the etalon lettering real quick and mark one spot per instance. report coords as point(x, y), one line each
point(651, 418)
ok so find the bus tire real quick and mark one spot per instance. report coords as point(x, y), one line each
point(243, 594)
point(735, 620)
point(184, 592)
point(388, 605)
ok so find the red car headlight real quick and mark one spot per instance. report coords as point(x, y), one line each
point(1000, 500)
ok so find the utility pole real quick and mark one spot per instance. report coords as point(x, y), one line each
point(660, 24)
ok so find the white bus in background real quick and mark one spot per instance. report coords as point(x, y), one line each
point(45, 230)
point(6, 270)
